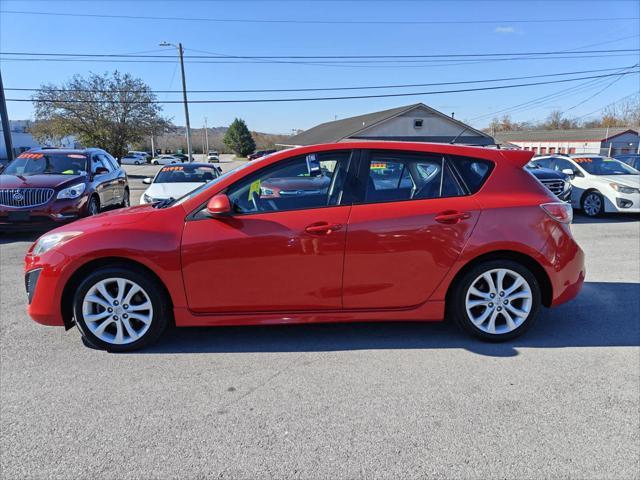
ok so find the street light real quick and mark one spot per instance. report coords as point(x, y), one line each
point(184, 94)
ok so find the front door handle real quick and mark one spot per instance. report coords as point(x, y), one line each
point(452, 216)
point(322, 228)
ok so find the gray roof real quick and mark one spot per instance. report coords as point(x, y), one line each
point(576, 135)
point(332, 132)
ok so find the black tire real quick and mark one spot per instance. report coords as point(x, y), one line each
point(93, 207)
point(154, 163)
point(592, 204)
point(136, 162)
point(456, 306)
point(126, 199)
point(157, 296)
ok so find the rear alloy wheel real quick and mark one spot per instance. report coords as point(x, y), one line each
point(497, 300)
point(93, 208)
point(593, 204)
point(118, 309)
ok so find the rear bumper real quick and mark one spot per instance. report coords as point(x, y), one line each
point(565, 265)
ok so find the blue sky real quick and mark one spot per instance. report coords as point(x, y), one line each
point(40, 33)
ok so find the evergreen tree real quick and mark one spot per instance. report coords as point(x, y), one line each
point(238, 138)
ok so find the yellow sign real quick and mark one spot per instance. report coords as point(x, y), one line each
point(255, 187)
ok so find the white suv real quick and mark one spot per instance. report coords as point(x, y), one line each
point(600, 184)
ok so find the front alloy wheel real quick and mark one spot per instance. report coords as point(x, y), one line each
point(119, 309)
point(497, 300)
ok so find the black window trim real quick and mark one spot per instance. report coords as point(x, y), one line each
point(197, 213)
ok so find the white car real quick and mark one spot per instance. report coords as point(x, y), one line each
point(600, 184)
point(131, 159)
point(177, 180)
point(145, 155)
point(165, 160)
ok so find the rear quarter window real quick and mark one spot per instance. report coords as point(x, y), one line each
point(472, 171)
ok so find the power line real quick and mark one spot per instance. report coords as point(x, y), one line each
point(320, 89)
point(323, 22)
point(595, 94)
point(631, 95)
point(321, 57)
point(308, 99)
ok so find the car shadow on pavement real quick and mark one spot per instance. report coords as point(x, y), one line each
point(603, 315)
point(580, 218)
point(12, 237)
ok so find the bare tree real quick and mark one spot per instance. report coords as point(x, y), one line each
point(109, 111)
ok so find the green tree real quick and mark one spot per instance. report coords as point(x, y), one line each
point(238, 138)
point(109, 111)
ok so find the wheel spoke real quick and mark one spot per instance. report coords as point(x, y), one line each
point(100, 330)
point(509, 320)
point(477, 303)
point(489, 279)
point(98, 300)
point(500, 280)
point(142, 306)
point(516, 311)
point(130, 330)
point(143, 318)
point(481, 319)
point(130, 294)
point(103, 291)
point(518, 295)
point(119, 333)
point(94, 317)
point(478, 293)
point(516, 284)
point(491, 326)
point(121, 286)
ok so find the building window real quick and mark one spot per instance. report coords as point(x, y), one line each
point(561, 150)
point(552, 150)
point(543, 150)
point(572, 150)
point(417, 123)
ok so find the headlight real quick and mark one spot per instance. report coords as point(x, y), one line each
point(72, 192)
point(47, 242)
point(623, 188)
point(147, 198)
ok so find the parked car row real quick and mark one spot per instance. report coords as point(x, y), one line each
point(599, 184)
point(174, 181)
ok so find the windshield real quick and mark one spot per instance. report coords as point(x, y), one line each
point(213, 182)
point(47, 164)
point(605, 166)
point(186, 173)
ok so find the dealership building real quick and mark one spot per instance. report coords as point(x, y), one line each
point(605, 141)
point(415, 123)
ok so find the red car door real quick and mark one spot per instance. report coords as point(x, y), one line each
point(282, 251)
point(409, 228)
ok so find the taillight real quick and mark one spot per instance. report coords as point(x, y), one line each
point(559, 211)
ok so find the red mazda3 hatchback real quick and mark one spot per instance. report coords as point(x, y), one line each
point(359, 231)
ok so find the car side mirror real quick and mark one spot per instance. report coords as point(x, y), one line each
point(568, 171)
point(101, 170)
point(219, 206)
point(147, 181)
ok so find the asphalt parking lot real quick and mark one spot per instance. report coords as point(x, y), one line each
point(392, 400)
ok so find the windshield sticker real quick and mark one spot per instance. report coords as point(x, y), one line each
point(31, 155)
point(172, 169)
point(583, 160)
point(74, 155)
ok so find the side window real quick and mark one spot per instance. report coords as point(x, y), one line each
point(473, 171)
point(546, 163)
point(562, 164)
point(397, 176)
point(113, 163)
point(98, 161)
point(310, 181)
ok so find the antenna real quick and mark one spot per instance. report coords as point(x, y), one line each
point(458, 136)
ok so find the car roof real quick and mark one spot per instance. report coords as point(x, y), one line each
point(193, 164)
point(65, 150)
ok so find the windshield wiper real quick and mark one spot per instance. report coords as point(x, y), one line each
point(164, 203)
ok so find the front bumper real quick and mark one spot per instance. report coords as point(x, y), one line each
point(623, 203)
point(54, 213)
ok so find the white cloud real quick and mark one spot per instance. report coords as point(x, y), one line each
point(505, 30)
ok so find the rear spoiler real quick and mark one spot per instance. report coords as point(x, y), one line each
point(519, 158)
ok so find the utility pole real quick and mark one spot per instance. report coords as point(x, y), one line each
point(184, 94)
point(153, 147)
point(6, 129)
point(206, 134)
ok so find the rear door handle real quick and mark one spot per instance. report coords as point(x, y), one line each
point(452, 216)
point(322, 228)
